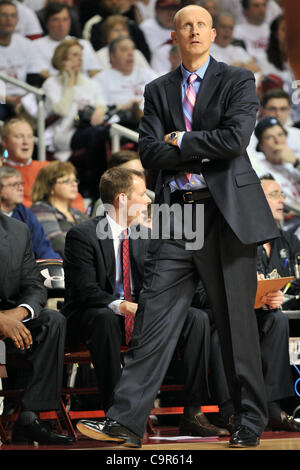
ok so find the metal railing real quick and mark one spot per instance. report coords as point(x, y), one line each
point(40, 94)
point(116, 132)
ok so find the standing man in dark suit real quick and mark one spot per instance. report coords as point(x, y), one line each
point(31, 332)
point(96, 301)
point(196, 134)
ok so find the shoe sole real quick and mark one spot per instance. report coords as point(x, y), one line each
point(244, 445)
point(98, 435)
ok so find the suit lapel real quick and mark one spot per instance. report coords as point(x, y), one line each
point(4, 252)
point(208, 87)
point(174, 97)
point(107, 247)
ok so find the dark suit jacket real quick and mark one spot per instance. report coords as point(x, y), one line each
point(20, 279)
point(223, 120)
point(90, 267)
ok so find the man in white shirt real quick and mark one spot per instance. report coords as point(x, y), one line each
point(255, 32)
point(273, 9)
point(28, 24)
point(17, 58)
point(123, 85)
point(157, 30)
point(58, 24)
point(224, 51)
point(277, 103)
point(277, 158)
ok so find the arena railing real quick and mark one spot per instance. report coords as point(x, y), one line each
point(116, 132)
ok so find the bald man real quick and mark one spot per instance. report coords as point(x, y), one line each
point(195, 129)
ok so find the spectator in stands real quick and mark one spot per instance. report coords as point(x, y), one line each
point(18, 142)
point(70, 95)
point(52, 194)
point(100, 10)
point(98, 302)
point(255, 32)
point(112, 27)
point(11, 197)
point(123, 85)
point(157, 30)
point(277, 158)
point(28, 24)
point(275, 62)
point(33, 333)
point(273, 9)
point(224, 51)
point(75, 28)
point(17, 59)
point(58, 24)
point(277, 103)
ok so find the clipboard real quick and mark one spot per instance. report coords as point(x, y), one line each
point(264, 286)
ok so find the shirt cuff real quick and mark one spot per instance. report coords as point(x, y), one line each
point(30, 312)
point(180, 139)
point(114, 306)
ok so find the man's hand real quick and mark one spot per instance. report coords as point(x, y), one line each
point(283, 154)
point(98, 116)
point(128, 307)
point(273, 299)
point(14, 329)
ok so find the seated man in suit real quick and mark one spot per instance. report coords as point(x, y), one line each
point(31, 332)
point(101, 297)
point(11, 197)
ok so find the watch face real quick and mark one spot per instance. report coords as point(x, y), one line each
point(173, 135)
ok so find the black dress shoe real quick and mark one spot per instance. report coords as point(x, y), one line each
point(200, 426)
point(109, 430)
point(38, 432)
point(244, 437)
point(285, 423)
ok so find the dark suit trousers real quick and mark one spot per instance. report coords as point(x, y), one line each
point(274, 340)
point(45, 360)
point(228, 271)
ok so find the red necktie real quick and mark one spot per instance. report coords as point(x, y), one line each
point(129, 319)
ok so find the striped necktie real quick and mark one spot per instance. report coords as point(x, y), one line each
point(129, 319)
point(188, 107)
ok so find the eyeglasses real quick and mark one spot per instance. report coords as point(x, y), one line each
point(13, 185)
point(276, 195)
point(68, 181)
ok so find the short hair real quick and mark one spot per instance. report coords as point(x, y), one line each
point(223, 13)
point(8, 172)
point(114, 43)
point(110, 22)
point(47, 177)
point(61, 52)
point(9, 3)
point(115, 181)
point(268, 177)
point(7, 125)
point(124, 156)
point(245, 4)
point(53, 9)
point(275, 93)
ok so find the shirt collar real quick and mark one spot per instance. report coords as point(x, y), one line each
point(200, 71)
point(12, 163)
point(116, 229)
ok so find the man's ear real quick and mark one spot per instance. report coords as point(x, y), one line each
point(173, 37)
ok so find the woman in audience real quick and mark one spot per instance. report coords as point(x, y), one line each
point(113, 27)
point(52, 194)
point(77, 105)
point(276, 61)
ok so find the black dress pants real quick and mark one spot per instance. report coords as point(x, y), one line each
point(103, 333)
point(227, 269)
point(45, 359)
